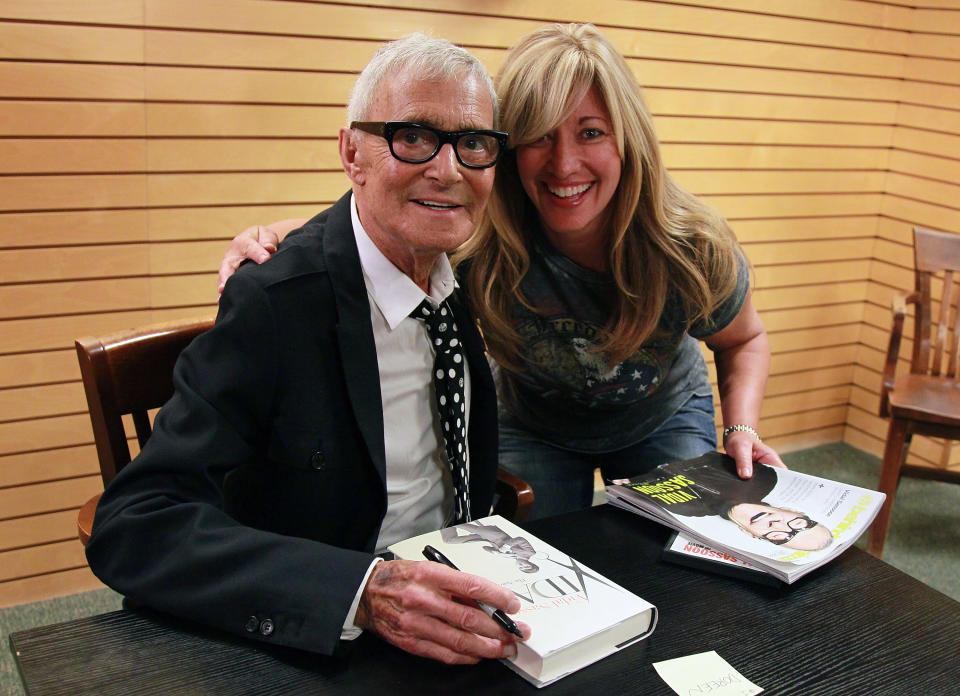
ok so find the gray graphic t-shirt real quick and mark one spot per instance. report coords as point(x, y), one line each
point(567, 394)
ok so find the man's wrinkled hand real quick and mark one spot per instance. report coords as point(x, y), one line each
point(429, 610)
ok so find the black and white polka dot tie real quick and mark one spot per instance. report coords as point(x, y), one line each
point(448, 380)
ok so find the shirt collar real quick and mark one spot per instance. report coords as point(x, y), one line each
point(394, 294)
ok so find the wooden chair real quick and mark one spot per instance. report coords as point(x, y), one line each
point(131, 372)
point(925, 401)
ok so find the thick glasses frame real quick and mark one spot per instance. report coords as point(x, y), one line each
point(809, 524)
point(387, 129)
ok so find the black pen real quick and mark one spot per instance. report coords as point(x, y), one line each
point(498, 615)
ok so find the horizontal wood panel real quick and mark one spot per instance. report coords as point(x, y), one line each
point(38, 529)
point(31, 80)
point(73, 297)
point(670, 101)
point(100, 12)
point(38, 368)
point(799, 229)
point(794, 206)
point(226, 188)
point(63, 156)
point(64, 229)
point(812, 317)
point(748, 156)
point(244, 120)
point(797, 382)
point(811, 273)
point(803, 296)
point(49, 400)
point(812, 358)
point(802, 251)
point(63, 263)
point(740, 182)
point(49, 585)
point(59, 42)
point(236, 15)
point(48, 497)
point(49, 465)
point(68, 118)
point(696, 129)
point(36, 560)
point(814, 338)
point(19, 193)
point(25, 335)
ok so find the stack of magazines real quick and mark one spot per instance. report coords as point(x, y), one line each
point(779, 522)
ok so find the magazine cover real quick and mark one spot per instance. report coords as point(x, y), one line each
point(784, 521)
point(577, 616)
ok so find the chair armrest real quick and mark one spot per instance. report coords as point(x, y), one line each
point(514, 497)
point(899, 308)
point(85, 519)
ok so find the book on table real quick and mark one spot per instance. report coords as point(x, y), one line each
point(782, 522)
point(576, 615)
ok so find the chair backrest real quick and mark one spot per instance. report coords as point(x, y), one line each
point(936, 347)
point(130, 373)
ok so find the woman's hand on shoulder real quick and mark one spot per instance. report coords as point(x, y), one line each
point(256, 243)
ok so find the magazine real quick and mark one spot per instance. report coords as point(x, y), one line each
point(576, 615)
point(688, 552)
point(782, 521)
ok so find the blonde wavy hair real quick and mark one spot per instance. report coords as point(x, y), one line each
point(660, 235)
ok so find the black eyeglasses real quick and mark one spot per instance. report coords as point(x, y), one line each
point(797, 524)
point(415, 143)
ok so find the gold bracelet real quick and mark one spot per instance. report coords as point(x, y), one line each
point(740, 427)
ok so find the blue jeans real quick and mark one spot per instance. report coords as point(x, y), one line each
point(562, 479)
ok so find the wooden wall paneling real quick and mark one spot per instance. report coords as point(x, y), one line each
point(20, 403)
point(49, 464)
point(780, 107)
point(100, 12)
point(39, 587)
point(38, 560)
point(136, 138)
point(70, 118)
point(828, 229)
point(37, 529)
point(791, 205)
point(49, 367)
point(48, 263)
point(243, 120)
point(64, 229)
point(239, 154)
point(71, 156)
point(223, 223)
point(745, 156)
point(62, 42)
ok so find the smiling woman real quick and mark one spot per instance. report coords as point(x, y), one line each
point(593, 277)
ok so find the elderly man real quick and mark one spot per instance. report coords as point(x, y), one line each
point(267, 488)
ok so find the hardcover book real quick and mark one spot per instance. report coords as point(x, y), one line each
point(784, 522)
point(576, 615)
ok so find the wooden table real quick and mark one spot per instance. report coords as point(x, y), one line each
point(856, 626)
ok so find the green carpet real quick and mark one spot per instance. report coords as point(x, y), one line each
point(922, 542)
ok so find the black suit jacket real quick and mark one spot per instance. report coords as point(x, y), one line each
point(256, 503)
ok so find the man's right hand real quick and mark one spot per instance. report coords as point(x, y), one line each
point(256, 243)
point(429, 609)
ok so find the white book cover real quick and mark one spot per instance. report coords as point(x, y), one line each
point(576, 615)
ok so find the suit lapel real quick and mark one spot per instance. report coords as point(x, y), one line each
point(354, 333)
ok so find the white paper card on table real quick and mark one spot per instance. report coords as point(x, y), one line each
point(704, 673)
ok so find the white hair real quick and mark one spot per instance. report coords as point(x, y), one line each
point(428, 58)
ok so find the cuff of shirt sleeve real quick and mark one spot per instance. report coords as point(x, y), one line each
point(349, 630)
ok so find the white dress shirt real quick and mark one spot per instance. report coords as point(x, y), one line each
point(419, 485)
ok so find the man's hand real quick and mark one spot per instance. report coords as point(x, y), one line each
point(428, 609)
point(746, 449)
point(256, 243)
